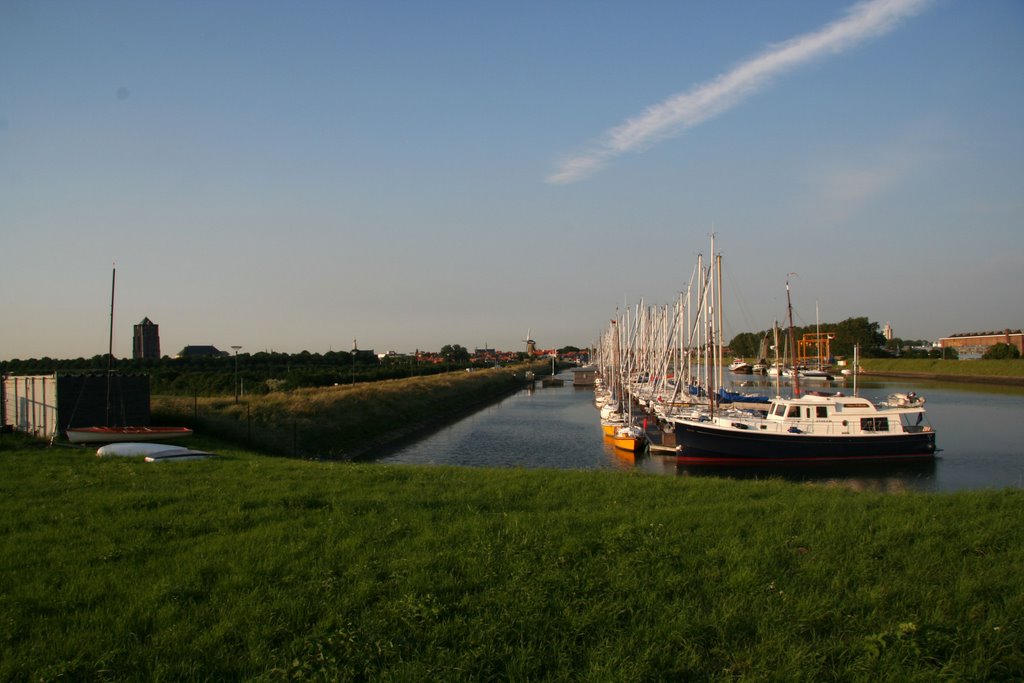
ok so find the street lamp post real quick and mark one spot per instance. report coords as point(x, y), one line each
point(236, 348)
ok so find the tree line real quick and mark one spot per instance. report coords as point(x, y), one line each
point(852, 332)
point(255, 373)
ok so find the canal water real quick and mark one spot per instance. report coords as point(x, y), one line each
point(978, 433)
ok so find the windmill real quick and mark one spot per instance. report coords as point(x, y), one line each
point(531, 345)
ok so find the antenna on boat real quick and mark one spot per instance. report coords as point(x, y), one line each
point(856, 366)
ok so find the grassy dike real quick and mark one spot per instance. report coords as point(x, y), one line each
point(984, 371)
point(343, 422)
point(260, 568)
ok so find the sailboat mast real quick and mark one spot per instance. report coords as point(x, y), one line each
point(817, 333)
point(792, 340)
point(110, 342)
point(778, 368)
point(720, 361)
point(856, 366)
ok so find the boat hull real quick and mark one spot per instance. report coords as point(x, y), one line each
point(630, 444)
point(131, 449)
point(117, 434)
point(705, 444)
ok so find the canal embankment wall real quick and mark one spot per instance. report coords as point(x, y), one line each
point(346, 422)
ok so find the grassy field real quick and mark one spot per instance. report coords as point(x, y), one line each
point(1007, 369)
point(260, 568)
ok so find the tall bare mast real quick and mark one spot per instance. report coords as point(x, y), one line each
point(110, 343)
point(792, 340)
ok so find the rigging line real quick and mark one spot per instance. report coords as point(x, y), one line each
point(737, 296)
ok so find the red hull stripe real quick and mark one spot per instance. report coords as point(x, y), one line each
point(730, 460)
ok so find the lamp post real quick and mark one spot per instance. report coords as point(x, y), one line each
point(236, 348)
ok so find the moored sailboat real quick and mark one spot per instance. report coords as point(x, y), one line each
point(630, 438)
point(813, 427)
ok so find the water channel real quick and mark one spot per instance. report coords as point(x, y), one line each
point(977, 431)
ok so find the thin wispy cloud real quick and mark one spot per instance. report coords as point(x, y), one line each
point(841, 187)
point(672, 117)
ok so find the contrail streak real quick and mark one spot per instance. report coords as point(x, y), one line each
point(678, 113)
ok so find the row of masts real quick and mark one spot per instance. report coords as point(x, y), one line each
point(672, 353)
point(669, 358)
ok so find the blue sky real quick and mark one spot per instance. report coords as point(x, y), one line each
point(293, 176)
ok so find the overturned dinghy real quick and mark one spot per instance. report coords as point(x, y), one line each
point(136, 449)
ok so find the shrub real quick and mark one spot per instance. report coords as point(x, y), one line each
point(1001, 351)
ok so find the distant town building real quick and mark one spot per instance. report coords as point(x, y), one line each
point(975, 344)
point(887, 332)
point(584, 376)
point(202, 352)
point(146, 341)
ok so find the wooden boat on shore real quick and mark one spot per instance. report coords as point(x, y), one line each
point(117, 434)
point(111, 434)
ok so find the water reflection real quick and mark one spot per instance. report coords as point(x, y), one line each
point(557, 427)
point(894, 478)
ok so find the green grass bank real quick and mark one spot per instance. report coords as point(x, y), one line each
point(347, 421)
point(983, 371)
point(258, 568)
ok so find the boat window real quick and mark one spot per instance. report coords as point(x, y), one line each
point(780, 410)
point(912, 422)
point(794, 411)
point(822, 411)
point(874, 424)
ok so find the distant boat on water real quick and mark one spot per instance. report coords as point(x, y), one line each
point(741, 367)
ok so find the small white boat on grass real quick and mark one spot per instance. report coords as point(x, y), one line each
point(130, 449)
point(152, 452)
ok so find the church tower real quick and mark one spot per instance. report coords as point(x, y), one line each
point(146, 340)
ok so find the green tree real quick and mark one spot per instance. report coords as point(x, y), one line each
point(1001, 351)
point(859, 332)
point(454, 353)
point(746, 344)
